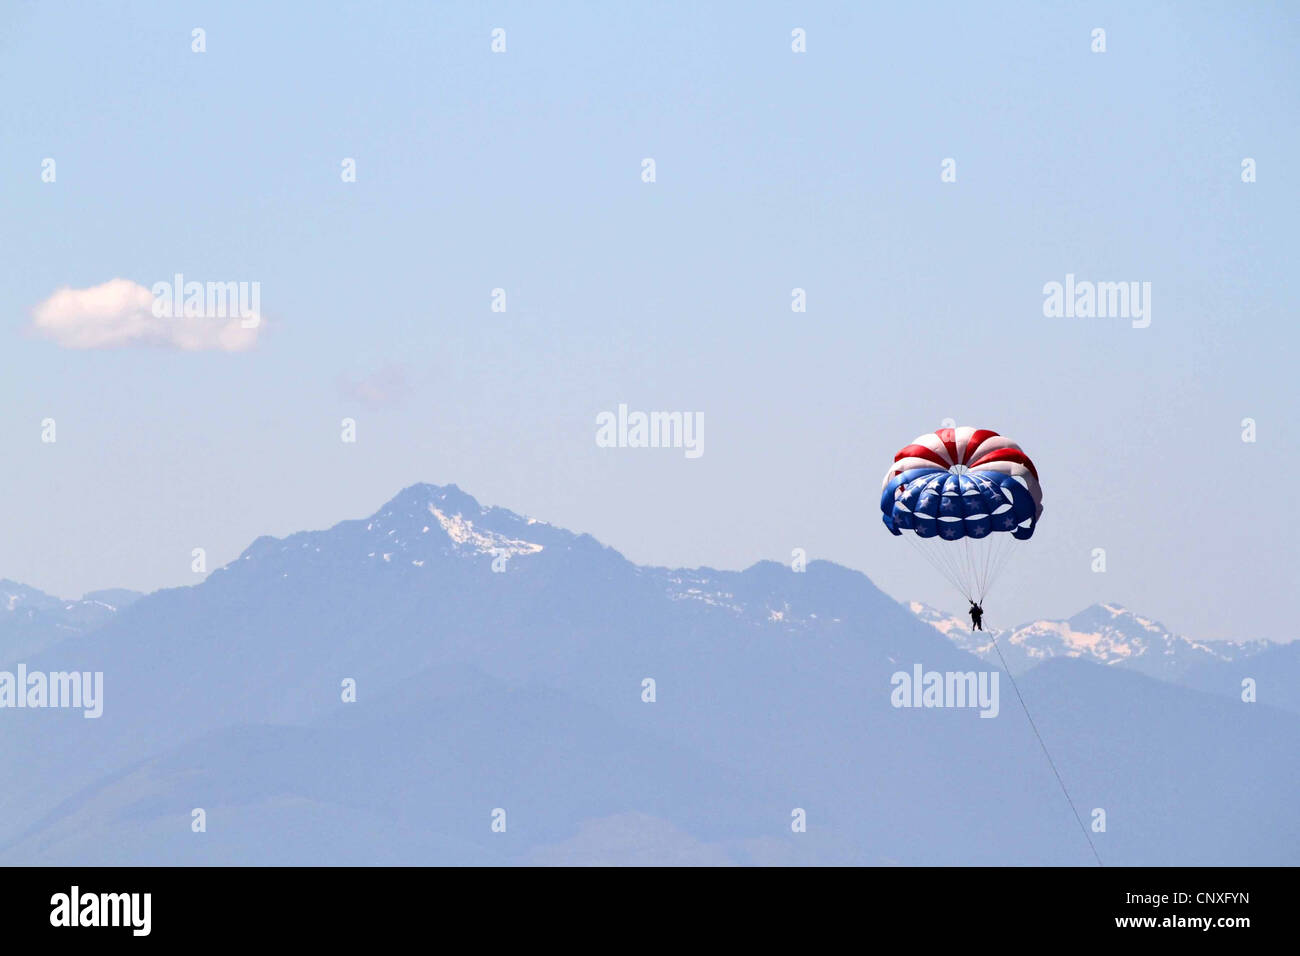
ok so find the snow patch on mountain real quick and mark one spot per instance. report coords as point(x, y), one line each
point(1107, 634)
point(422, 525)
point(19, 597)
point(32, 621)
point(461, 530)
point(690, 586)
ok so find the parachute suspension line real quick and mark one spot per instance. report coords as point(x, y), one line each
point(960, 566)
point(985, 580)
point(1007, 547)
point(941, 559)
point(986, 560)
point(982, 573)
point(959, 551)
point(971, 568)
point(972, 561)
point(1046, 753)
point(933, 560)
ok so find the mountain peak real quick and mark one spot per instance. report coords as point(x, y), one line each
point(14, 595)
point(1111, 614)
point(450, 498)
point(467, 527)
point(419, 525)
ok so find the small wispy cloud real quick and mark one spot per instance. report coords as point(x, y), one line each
point(121, 313)
point(387, 385)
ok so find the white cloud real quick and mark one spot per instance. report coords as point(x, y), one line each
point(120, 313)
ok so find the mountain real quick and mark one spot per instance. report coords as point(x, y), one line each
point(503, 664)
point(1114, 636)
point(1105, 633)
point(31, 620)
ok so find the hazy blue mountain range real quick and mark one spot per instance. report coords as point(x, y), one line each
point(31, 620)
point(521, 689)
point(1114, 636)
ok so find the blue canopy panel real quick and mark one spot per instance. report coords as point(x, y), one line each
point(934, 502)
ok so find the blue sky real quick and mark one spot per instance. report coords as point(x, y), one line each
point(775, 170)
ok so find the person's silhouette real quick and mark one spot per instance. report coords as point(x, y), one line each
point(976, 617)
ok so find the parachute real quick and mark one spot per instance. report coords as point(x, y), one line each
point(963, 497)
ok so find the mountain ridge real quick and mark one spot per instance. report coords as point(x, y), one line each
point(370, 692)
point(1106, 632)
